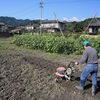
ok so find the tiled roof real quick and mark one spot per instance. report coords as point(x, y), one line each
point(95, 24)
point(51, 21)
point(17, 29)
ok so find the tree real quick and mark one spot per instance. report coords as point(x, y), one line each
point(78, 27)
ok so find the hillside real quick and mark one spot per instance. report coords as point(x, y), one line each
point(80, 26)
point(70, 26)
point(15, 22)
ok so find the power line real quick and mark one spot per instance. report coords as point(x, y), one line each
point(53, 2)
point(23, 10)
point(26, 12)
point(69, 1)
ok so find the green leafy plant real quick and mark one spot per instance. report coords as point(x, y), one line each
point(52, 44)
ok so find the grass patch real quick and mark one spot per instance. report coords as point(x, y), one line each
point(7, 47)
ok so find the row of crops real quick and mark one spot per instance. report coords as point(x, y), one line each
point(52, 44)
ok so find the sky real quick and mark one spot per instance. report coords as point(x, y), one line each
point(68, 10)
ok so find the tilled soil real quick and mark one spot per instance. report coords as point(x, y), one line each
point(29, 76)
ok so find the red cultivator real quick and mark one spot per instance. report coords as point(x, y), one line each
point(65, 73)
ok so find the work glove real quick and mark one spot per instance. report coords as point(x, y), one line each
point(76, 63)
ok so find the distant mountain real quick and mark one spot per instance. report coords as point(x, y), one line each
point(15, 22)
point(20, 22)
point(87, 21)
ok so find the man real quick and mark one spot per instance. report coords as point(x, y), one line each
point(90, 57)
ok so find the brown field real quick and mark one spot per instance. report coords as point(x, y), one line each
point(29, 75)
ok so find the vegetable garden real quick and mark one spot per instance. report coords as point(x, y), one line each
point(55, 44)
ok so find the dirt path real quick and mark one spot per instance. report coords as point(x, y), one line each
point(26, 75)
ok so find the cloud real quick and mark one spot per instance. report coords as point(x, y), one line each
point(74, 19)
point(65, 19)
point(83, 19)
point(98, 16)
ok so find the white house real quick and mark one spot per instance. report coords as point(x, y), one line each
point(94, 28)
point(52, 25)
point(31, 27)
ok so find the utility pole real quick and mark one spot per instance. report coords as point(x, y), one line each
point(41, 3)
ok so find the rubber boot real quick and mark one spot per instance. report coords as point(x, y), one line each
point(81, 86)
point(93, 90)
